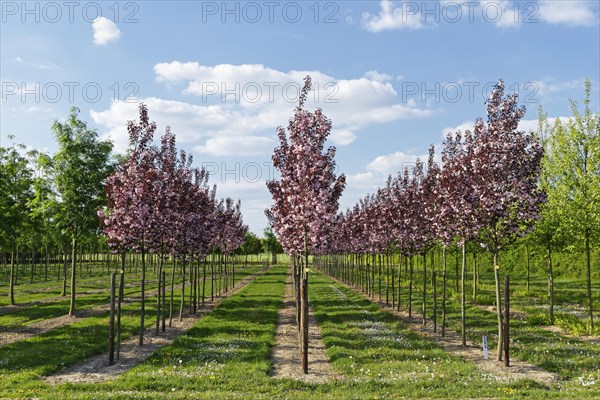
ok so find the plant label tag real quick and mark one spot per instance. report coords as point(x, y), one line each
point(485, 348)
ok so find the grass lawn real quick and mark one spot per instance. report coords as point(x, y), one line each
point(226, 355)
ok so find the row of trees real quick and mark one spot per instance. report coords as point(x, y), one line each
point(51, 201)
point(493, 187)
point(150, 201)
point(305, 198)
point(158, 203)
point(486, 190)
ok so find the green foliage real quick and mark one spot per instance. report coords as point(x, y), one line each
point(270, 242)
point(81, 166)
point(570, 323)
point(16, 178)
point(571, 176)
point(252, 244)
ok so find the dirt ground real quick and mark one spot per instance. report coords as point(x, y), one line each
point(43, 326)
point(286, 354)
point(96, 369)
point(452, 343)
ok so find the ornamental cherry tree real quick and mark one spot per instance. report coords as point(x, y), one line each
point(505, 172)
point(305, 198)
point(130, 198)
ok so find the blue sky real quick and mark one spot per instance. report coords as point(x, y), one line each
point(393, 76)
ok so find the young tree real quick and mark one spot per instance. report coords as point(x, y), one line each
point(252, 244)
point(271, 244)
point(505, 172)
point(571, 178)
point(16, 179)
point(42, 205)
point(130, 198)
point(81, 168)
point(306, 197)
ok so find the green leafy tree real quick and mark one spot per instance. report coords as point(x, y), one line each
point(16, 178)
point(271, 244)
point(252, 244)
point(41, 205)
point(571, 176)
point(81, 166)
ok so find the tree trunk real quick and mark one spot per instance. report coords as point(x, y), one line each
point(433, 288)
point(73, 274)
point(498, 304)
point(506, 320)
point(143, 295)
point(119, 303)
point(410, 284)
point(47, 264)
point(400, 257)
point(203, 279)
point(304, 312)
point(182, 292)
point(171, 301)
point(550, 285)
point(528, 266)
point(111, 321)
point(462, 294)
point(33, 262)
point(589, 281)
point(12, 274)
point(456, 269)
point(164, 294)
point(474, 276)
point(444, 292)
point(64, 288)
point(304, 324)
point(159, 294)
point(392, 276)
point(424, 289)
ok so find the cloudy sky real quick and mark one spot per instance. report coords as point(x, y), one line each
point(394, 76)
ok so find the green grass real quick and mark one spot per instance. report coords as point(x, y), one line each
point(14, 318)
point(576, 362)
point(226, 355)
point(22, 362)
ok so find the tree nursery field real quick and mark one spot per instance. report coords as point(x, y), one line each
point(390, 199)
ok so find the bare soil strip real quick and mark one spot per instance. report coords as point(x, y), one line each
point(593, 339)
point(43, 326)
point(19, 306)
point(452, 343)
point(96, 369)
point(584, 338)
point(10, 308)
point(40, 327)
point(286, 353)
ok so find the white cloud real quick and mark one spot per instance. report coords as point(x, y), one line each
point(351, 104)
point(501, 13)
point(105, 31)
point(342, 137)
point(526, 125)
point(360, 184)
point(467, 125)
point(406, 16)
point(569, 12)
point(36, 64)
point(237, 145)
point(395, 162)
point(377, 76)
point(549, 87)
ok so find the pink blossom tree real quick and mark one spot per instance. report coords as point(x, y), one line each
point(305, 198)
point(130, 199)
point(505, 172)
